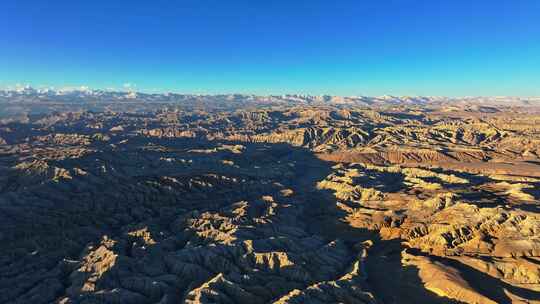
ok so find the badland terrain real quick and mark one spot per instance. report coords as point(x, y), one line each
point(164, 198)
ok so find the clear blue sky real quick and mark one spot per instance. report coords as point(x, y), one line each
point(349, 47)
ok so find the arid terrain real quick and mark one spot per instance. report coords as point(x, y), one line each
point(140, 198)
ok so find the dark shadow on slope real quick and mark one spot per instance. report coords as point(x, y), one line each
point(394, 282)
point(484, 284)
point(387, 278)
point(534, 191)
point(499, 199)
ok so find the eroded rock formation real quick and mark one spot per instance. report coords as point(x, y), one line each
point(277, 204)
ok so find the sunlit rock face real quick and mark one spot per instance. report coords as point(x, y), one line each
point(293, 199)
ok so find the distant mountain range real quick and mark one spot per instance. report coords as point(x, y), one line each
point(29, 94)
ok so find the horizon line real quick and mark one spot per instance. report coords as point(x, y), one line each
point(127, 90)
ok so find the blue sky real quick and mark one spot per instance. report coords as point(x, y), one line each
point(348, 47)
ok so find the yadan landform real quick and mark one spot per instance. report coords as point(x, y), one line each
point(112, 197)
